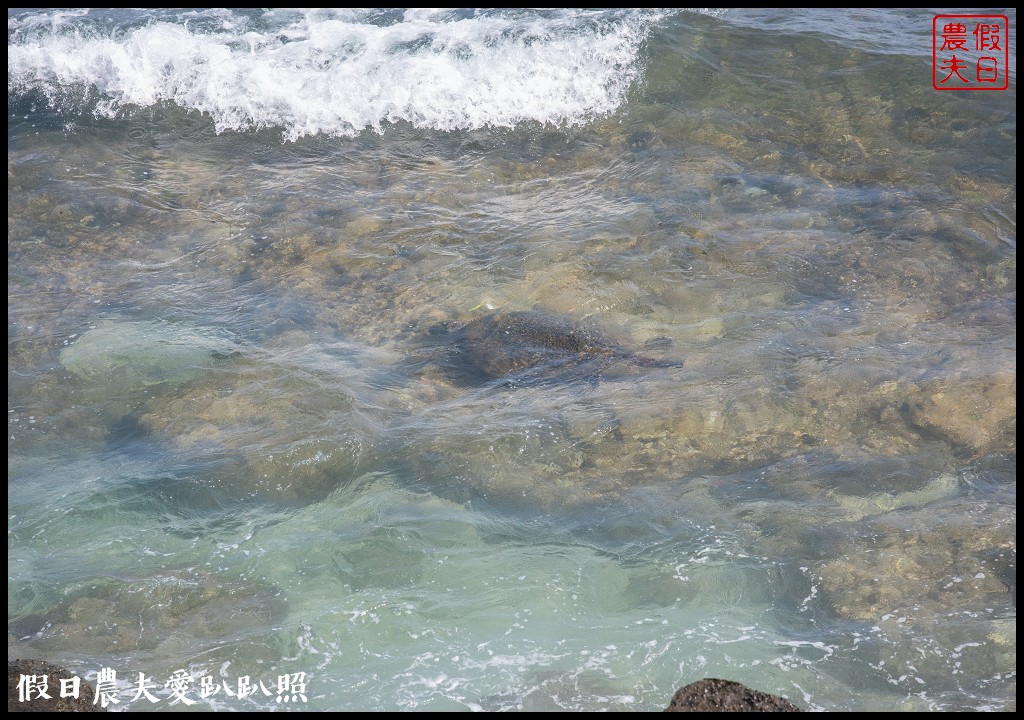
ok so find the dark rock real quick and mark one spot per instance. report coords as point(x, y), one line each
point(532, 345)
point(17, 668)
point(713, 695)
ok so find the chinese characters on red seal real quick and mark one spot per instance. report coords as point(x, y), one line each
point(970, 52)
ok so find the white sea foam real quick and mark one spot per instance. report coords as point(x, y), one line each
point(338, 72)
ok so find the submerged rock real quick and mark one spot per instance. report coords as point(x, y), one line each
point(118, 357)
point(169, 614)
point(530, 346)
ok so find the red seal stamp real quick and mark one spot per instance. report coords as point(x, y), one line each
point(970, 52)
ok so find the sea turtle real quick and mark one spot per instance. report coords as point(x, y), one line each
point(530, 346)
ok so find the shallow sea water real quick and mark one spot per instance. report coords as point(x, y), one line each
point(234, 448)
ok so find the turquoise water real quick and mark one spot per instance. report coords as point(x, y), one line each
point(234, 449)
